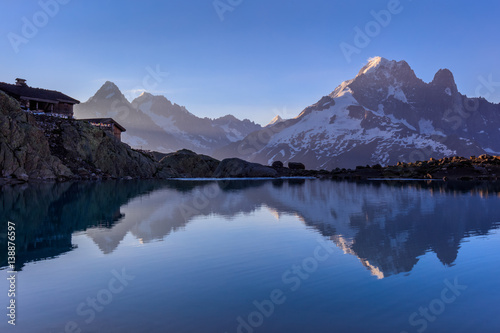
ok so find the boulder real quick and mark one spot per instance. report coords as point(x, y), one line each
point(186, 163)
point(237, 168)
point(296, 166)
point(277, 164)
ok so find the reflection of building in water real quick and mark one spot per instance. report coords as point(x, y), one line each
point(47, 214)
point(43, 247)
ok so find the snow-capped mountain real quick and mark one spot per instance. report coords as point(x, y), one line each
point(155, 123)
point(275, 120)
point(384, 115)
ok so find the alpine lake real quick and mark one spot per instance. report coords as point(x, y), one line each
point(251, 256)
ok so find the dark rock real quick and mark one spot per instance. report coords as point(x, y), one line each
point(277, 164)
point(237, 168)
point(186, 163)
point(23, 146)
point(296, 166)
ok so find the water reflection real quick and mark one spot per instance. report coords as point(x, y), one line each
point(47, 214)
point(387, 225)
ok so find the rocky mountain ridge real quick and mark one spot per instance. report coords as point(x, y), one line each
point(155, 123)
point(384, 115)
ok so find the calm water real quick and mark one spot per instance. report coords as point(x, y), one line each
point(253, 256)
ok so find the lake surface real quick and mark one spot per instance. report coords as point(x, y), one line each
point(253, 256)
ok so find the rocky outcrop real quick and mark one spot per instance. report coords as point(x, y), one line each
point(484, 167)
point(24, 149)
point(296, 166)
point(189, 164)
point(237, 168)
point(86, 149)
point(277, 164)
point(42, 147)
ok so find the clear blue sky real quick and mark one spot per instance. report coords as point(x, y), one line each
point(265, 58)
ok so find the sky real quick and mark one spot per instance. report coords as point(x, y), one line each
point(253, 59)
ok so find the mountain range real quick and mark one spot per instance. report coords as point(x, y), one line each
point(384, 115)
point(155, 123)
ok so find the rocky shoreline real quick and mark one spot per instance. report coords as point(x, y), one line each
point(481, 168)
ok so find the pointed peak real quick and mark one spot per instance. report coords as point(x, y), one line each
point(108, 85)
point(107, 88)
point(386, 67)
point(275, 120)
point(106, 91)
point(443, 75)
point(374, 63)
point(444, 78)
point(145, 94)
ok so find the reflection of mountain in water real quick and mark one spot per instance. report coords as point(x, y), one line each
point(47, 214)
point(388, 226)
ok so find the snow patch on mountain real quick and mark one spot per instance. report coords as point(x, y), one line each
point(397, 93)
point(375, 63)
point(232, 134)
point(426, 127)
point(133, 141)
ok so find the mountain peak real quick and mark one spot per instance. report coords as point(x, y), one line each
point(374, 63)
point(107, 90)
point(444, 79)
point(145, 94)
point(108, 85)
point(380, 65)
point(275, 120)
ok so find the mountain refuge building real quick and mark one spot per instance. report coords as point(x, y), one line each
point(54, 103)
point(107, 124)
point(40, 101)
